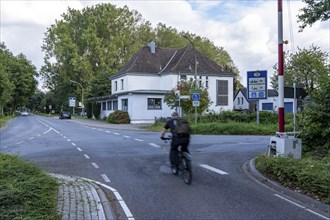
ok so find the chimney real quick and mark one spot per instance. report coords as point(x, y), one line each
point(152, 47)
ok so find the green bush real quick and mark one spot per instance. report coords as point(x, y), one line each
point(119, 117)
point(310, 175)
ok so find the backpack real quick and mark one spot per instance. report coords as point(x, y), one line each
point(182, 127)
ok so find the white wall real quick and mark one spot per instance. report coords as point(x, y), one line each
point(213, 94)
point(238, 105)
point(274, 100)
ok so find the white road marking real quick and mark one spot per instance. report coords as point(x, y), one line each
point(108, 131)
point(125, 136)
point(20, 142)
point(73, 144)
point(79, 149)
point(138, 139)
point(68, 140)
point(303, 207)
point(95, 165)
point(100, 129)
point(126, 209)
point(121, 201)
point(64, 137)
point(87, 157)
point(154, 145)
point(93, 128)
point(213, 169)
point(5, 147)
point(47, 131)
point(105, 178)
point(31, 138)
point(116, 133)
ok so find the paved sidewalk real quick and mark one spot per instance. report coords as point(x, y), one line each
point(82, 200)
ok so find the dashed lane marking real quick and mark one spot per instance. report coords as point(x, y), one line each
point(154, 145)
point(73, 144)
point(31, 138)
point(138, 139)
point(20, 142)
point(86, 156)
point(125, 136)
point(115, 133)
point(79, 149)
point(213, 169)
point(105, 178)
point(95, 165)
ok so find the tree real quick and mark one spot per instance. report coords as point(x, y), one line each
point(6, 86)
point(304, 67)
point(17, 82)
point(316, 119)
point(23, 74)
point(315, 10)
point(186, 85)
point(92, 44)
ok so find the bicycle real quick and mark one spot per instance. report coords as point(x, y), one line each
point(184, 164)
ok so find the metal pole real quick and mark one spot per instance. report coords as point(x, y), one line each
point(294, 109)
point(195, 87)
point(280, 69)
point(258, 113)
point(82, 96)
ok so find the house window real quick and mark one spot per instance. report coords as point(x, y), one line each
point(238, 101)
point(116, 86)
point(109, 105)
point(104, 106)
point(115, 105)
point(207, 82)
point(183, 77)
point(122, 84)
point(154, 103)
point(222, 92)
point(124, 104)
point(242, 100)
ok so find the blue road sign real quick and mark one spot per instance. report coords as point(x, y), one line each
point(195, 97)
point(257, 84)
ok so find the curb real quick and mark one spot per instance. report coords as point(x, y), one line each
point(297, 197)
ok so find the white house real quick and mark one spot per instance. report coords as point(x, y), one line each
point(241, 102)
point(140, 85)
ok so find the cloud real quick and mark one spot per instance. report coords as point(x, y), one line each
point(246, 29)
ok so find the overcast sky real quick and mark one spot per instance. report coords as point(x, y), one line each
point(247, 29)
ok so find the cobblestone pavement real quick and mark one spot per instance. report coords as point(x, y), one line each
point(82, 200)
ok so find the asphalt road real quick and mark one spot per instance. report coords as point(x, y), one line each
point(135, 163)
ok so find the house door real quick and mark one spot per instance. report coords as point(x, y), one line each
point(267, 106)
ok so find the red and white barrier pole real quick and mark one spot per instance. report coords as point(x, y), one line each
point(280, 69)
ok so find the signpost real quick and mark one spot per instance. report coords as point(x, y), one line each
point(72, 102)
point(257, 87)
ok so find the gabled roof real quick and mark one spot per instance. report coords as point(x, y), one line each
point(170, 60)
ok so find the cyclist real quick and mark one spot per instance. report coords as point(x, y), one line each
point(177, 140)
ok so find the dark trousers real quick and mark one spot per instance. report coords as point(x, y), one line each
point(175, 144)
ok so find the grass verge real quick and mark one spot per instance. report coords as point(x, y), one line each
point(4, 120)
point(26, 192)
point(309, 175)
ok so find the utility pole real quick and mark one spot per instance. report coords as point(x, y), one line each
point(196, 83)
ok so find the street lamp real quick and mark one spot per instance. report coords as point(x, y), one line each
point(192, 44)
point(82, 96)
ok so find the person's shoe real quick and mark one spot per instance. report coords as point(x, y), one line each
point(175, 170)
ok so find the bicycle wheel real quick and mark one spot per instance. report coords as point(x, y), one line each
point(186, 170)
